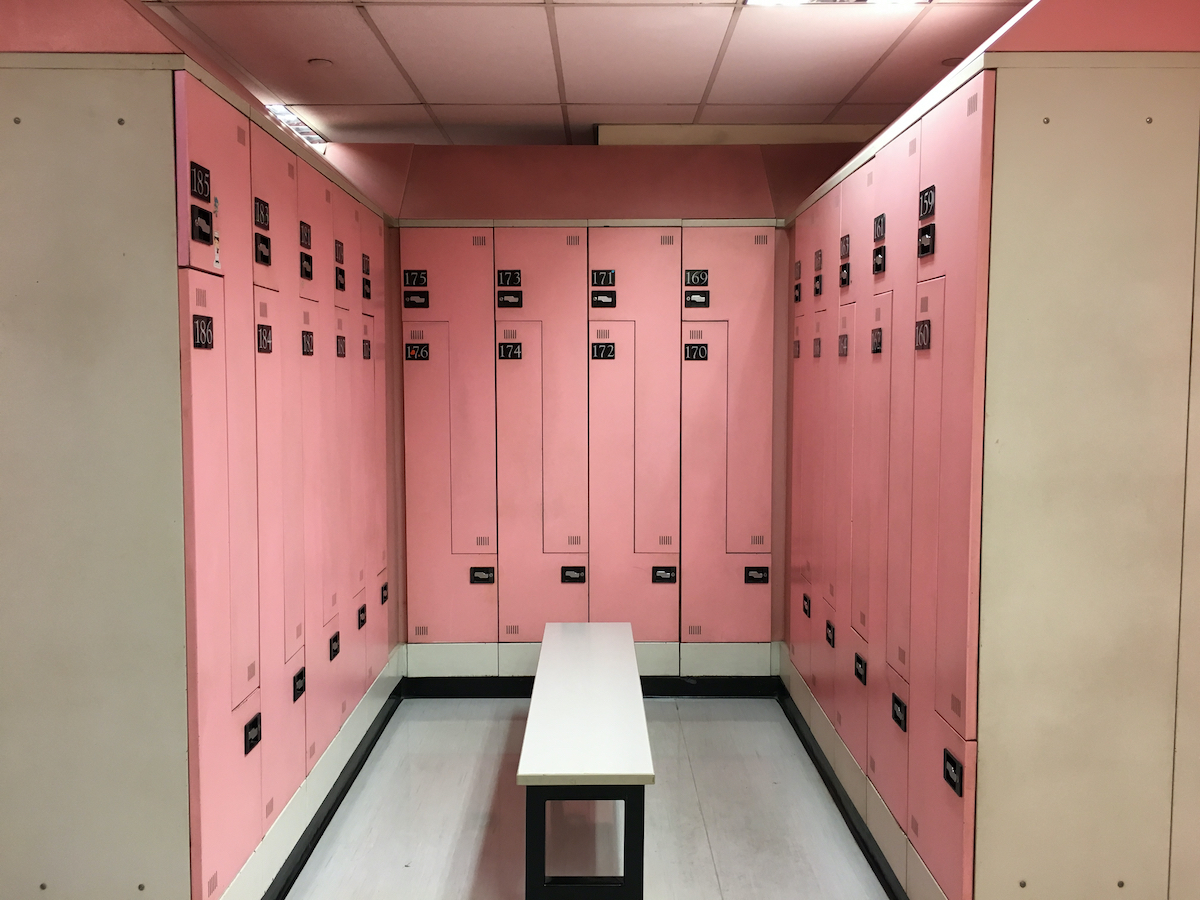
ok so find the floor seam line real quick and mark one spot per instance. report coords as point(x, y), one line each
point(699, 804)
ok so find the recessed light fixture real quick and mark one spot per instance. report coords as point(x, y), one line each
point(810, 2)
point(951, 61)
point(293, 122)
point(320, 62)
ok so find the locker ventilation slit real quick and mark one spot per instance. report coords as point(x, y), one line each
point(483, 541)
point(201, 297)
point(694, 629)
point(695, 334)
point(972, 104)
point(602, 334)
point(479, 240)
point(262, 310)
point(915, 830)
point(758, 540)
point(665, 540)
point(877, 313)
point(327, 196)
point(416, 334)
point(421, 631)
point(862, 618)
point(291, 171)
point(339, 324)
point(306, 318)
point(955, 705)
point(572, 240)
point(667, 240)
point(510, 334)
point(870, 178)
point(760, 240)
point(343, 707)
point(212, 884)
point(312, 750)
point(512, 629)
point(242, 136)
point(250, 670)
point(574, 540)
point(924, 304)
point(901, 654)
point(270, 806)
point(912, 149)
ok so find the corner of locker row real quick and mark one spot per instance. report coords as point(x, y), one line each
point(587, 430)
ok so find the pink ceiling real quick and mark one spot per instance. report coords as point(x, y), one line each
point(487, 71)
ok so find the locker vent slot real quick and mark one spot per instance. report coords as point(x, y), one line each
point(694, 629)
point(915, 830)
point(291, 171)
point(327, 196)
point(478, 240)
point(695, 334)
point(483, 541)
point(843, 321)
point(912, 148)
point(250, 670)
point(262, 310)
point(421, 631)
point(339, 324)
point(510, 334)
point(356, 215)
point(758, 539)
point(839, 717)
point(665, 540)
point(343, 707)
point(306, 318)
point(972, 104)
point(417, 334)
point(872, 761)
point(667, 240)
point(870, 181)
point(955, 705)
point(242, 136)
point(333, 600)
point(574, 540)
point(924, 304)
point(364, 330)
point(862, 618)
point(602, 334)
point(512, 629)
point(901, 654)
point(760, 240)
point(299, 630)
point(201, 297)
point(877, 314)
point(572, 240)
point(312, 750)
point(212, 882)
point(270, 806)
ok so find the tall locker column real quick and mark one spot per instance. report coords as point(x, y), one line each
point(725, 475)
point(799, 610)
point(633, 409)
point(541, 428)
point(449, 433)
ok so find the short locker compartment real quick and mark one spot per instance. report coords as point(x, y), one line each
point(314, 265)
point(887, 739)
point(850, 690)
point(541, 358)
point(799, 586)
point(347, 254)
point(449, 433)
point(274, 210)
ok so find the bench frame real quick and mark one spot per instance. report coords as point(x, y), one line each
point(625, 887)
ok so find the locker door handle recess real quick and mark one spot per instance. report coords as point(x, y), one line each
point(574, 575)
point(829, 634)
point(952, 771)
point(900, 713)
point(298, 685)
point(757, 575)
point(252, 733)
point(664, 574)
point(483, 574)
point(807, 606)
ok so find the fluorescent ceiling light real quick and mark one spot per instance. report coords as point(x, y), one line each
point(809, 2)
point(294, 123)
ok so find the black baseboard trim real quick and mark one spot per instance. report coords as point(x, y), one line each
point(862, 834)
point(296, 860)
point(712, 686)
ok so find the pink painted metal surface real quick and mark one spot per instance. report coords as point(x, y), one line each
point(822, 338)
point(541, 427)
point(800, 591)
point(956, 157)
point(887, 739)
point(1100, 25)
point(373, 265)
point(347, 444)
point(315, 204)
point(633, 409)
point(273, 182)
point(824, 656)
point(375, 635)
point(827, 323)
point(842, 418)
point(850, 700)
point(726, 428)
point(224, 782)
point(287, 342)
point(378, 645)
point(323, 693)
point(873, 338)
point(79, 26)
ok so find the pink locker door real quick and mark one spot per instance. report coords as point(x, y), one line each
point(347, 441)
point(225, 780)
point(375, 634)
point(956, 160)
point(800, 591)
point(274, 212)
point(363, 406)
point(290, 344)
point(314, 266)
point(820, 442)
point(323, 694)
point(354, 681)
point(450, 433)
point(541, 428)
point(373, 270)
point(898, 176)
point(887, 739)
point(347, 256)
point(851, 682)
point(377, 642)
point(843, 460)
point(824, 656)
point(633, 408)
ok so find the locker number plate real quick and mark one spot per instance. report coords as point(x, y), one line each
point(664, 575)
point(695, 277)
point(927, 202)
point(202, 332)
point(483, 574)
point(574, 575)
point(307, 344)
point(816, 260)
point(695, 351)
point(604, 299)
point(508, 278)
point(264, 338)
point(924, 334)
point(952, 771)
point(366, 264)
point(900, 713)
point(604, 277)
point(860, 668)
point(604, 351)
point(366, 349)
point(757, 575)
point(844, 246)
point(201, 183)
point(808, 606)
point(252, 733)
point(305, 235)
point(876, 340)
point(416, 278)
point(880, 230)
point(508, 351)
point(339, 253)
point(298, 685)
point(416, 299)
point(816, 348)
point(510, 299)
point(695, 299)
point(843, 345)
point(262, 214)
point(416, 351)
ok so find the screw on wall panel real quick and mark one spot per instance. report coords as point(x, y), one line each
point(120, 121)
point(42, 885)
point(1046, 121)
point(16, 120)
point(141, 887)
point(1120, 884)
point(1022, 884)
point(1149, 120)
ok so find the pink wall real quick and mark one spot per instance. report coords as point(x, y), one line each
point(79, 26)
point(1098, 25)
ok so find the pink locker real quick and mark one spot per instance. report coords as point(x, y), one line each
point(276, 236)
point(887, 739)
point(824, 656)
point(315, 234)
point(826, 231)
point(223, 758)
point(344, 442)
point(213, 161)
point(449, 433)
point(821, 349)
point(800, 592)
point(850, 692)
point(725, 475)
point(633, 409)
point(897, 170)
point(373, 270)
point(956, 160)
point(541, 428)
point(373, 630)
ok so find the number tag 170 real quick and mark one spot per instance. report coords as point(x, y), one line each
point(695, 351)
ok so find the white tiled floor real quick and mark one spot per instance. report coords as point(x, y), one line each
point(737, 810)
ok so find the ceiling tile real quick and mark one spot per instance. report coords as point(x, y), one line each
point(949, 30)
point(761, 114)
point(274, 42)
point(589, 114)
point(473, 54)
point(869, 113)
point(371, 123)
point(639, 54)
point(808, 54)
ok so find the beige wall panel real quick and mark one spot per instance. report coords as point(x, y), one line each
point(1185, 830)
point(1089, 334)
point(93, 686)
point(887, 833)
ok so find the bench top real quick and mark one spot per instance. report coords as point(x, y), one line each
point(587, 719)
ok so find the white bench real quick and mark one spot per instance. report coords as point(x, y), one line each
point(585, 739)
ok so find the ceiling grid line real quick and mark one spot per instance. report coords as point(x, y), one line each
point(879, 62)
point(387, 48)
point(712, 78)
point(552, 24)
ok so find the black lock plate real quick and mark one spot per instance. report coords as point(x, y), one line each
point(335, 645)
point(757, 575)
point(339, 278)
point(796, 293)
point(200, 183)
point(306, 266)
point(508, 278)
point(816, 348)
point(416, 278)
point(298, 685)
point(383, 593)
point(664, 575)
point(829, 633)
point(264, 338)
point(816, 285)
point(262, 214)
point(952, 771)
point(262, 249)
point(510, 299)
point(876, 340)
point(341, 346)
point(924, 335)
point(795, 349)
point(808, 606)
point(695, 299)
point(927, 240)
point(843, 345)
point(844, 246)
point(362, 616)
point(483, 574)
point(366, 349)
point(416, 299)
point(202, 332)
point(604, 299)
point(366, 288)
point(860, 668)
point(900, 713)
point(307, 344)
point(844, 275)
point(574, 575)
point(252, 733)
point(879, 260)
point(202, 227)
